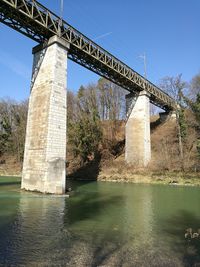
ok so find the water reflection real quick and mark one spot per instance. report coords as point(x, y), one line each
point(139, 211)
point(93, 220)
point(100, 224)
point(36, 230)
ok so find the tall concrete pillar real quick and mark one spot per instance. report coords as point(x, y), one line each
point(138, 145)
point(45, 147)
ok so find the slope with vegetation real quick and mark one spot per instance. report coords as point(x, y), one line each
point(96, 122)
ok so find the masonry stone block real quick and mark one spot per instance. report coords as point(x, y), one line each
point(137, 131)
point(45, 146)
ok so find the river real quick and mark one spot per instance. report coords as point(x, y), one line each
point(100, 224)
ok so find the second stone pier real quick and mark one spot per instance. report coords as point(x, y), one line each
point(138, 144)
point(45, 145)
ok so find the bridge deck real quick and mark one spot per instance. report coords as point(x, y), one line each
point(38, 23)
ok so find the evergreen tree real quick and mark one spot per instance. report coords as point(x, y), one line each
point(84, 133)
point(5, 135)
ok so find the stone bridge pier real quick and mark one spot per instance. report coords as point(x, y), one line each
point(45, 145)
point(137, 130)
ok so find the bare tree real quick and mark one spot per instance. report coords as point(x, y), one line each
point(194, 87)
point(174, 86)
point(13, 117)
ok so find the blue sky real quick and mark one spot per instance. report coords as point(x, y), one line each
point(166, 30)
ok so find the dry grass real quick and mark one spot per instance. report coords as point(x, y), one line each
point(9, 165)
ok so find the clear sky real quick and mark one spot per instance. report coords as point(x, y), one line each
point(166, 30)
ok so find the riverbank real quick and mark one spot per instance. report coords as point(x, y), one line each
point(189, 179)
point(117, 171)
point(177, 178)
point(168, 178)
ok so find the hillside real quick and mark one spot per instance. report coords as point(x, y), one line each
point(165, 156)
point(109, 164)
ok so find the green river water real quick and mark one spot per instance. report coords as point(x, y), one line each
point(101, 224)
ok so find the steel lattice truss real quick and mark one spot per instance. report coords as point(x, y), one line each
point(38, 23)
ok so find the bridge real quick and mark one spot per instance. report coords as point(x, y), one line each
point(45, 146)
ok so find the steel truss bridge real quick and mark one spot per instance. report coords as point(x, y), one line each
point(38, 23)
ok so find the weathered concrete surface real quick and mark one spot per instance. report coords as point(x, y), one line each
point(45, 147)
point(138, 145)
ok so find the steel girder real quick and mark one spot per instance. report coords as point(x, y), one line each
point(38, 23)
